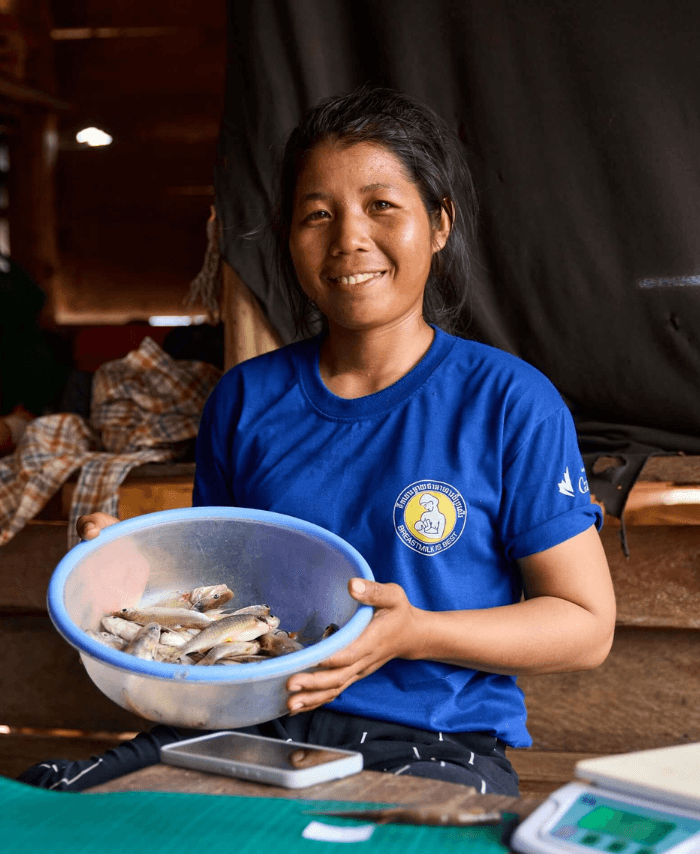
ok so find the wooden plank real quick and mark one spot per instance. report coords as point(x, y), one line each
point(677, 468)
point(44, 684)
point(667, 492)
point(646, 694)
point(659, 584)
point(541, 772)
point(142, 495)
point(26, 564)
point(28, 560)
point(370, 786)
point(674, 468)
point(662, 503)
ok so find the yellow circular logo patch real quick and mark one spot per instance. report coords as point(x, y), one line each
point(429, 516)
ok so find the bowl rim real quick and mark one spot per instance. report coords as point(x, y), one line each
point(294, 662)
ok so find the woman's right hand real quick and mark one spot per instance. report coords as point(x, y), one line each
point(88, 527)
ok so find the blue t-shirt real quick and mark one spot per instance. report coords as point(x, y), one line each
point(440, 481)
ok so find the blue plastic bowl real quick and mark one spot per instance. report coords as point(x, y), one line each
point(299, 569)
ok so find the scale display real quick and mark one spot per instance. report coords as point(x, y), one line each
point(582, 818)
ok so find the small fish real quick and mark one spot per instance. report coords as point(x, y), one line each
point(330, 629)
point(213, 596)
point(165, 616)
point(237, 627)
point(273, 622)
point(230, 649)
point(107, 638)
point(278, 644)
point(175, 600)
point(256, 610)
point(145, 643)
point(119, 626)
point(171, 638)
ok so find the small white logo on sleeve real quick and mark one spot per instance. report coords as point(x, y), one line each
point(565, 486)
point(583, 482)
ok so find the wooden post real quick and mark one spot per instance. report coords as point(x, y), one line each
point(33, 147)
point(247, 331)
point(33, 233)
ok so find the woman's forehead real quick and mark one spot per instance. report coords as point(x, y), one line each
point(370, 165)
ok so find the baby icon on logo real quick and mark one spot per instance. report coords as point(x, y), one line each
point(429, 516)
point(432, 522)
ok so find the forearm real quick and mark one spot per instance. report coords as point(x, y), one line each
point(566, 622)
point(540, 635)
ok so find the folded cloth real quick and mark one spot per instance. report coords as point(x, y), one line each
point(145, 408)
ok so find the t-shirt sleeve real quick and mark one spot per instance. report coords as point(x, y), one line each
point(545, 498)
point(212, 480)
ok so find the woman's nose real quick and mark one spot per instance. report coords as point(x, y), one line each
point(351, 232)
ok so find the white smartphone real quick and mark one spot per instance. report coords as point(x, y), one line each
point(291, 764)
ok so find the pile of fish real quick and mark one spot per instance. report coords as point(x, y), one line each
point(195, 628)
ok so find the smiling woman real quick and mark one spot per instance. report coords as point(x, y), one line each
point(361, 239)
point(439, 459)
point(419, 150)
point(362, 245)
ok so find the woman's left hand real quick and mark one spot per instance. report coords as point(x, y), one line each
point(389, 635)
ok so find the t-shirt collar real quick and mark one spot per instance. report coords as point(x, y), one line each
point(372, 404)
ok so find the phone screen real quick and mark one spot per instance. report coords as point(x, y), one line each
point(239, 747)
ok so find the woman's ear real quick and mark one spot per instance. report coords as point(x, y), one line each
point(444, 225)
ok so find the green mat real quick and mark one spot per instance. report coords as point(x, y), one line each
point(45, 822)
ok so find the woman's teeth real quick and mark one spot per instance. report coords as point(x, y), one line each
point(356, 280)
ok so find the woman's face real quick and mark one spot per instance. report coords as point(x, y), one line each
point(361, 239)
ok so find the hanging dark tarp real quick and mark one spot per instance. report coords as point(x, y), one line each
point(581, 124)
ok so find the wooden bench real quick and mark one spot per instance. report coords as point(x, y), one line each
point(646, 694)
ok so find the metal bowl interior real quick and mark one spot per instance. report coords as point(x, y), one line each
point(299, 569)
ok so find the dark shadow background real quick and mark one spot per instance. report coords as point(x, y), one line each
point(581, 124)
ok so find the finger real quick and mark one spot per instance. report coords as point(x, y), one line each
point(320, 681)
point(373, 593)
point(89, 526)
point(306, 702)
point(337, 678)
point(87, 529)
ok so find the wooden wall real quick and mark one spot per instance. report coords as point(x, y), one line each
point(117, 233)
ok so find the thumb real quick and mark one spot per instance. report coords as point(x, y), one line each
point(374, 593)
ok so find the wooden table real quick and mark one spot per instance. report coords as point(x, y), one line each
point(369, 786)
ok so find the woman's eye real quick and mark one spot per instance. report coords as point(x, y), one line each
point(381, 205)
point(316, 215)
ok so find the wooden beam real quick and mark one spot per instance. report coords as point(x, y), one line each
point(83, 33)
point(32, 212)
point(23, 94)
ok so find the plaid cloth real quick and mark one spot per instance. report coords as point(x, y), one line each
point(145, 407)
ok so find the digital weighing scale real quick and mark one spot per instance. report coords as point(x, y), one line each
point(646, 802)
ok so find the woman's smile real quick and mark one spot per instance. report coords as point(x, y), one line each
point(361, 239)
point(355, 278)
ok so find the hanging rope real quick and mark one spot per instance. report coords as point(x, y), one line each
point(205, 288)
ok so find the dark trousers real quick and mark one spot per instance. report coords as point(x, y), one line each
point(474, 759)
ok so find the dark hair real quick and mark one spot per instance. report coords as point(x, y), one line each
point(431, 154)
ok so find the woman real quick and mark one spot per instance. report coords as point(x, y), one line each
point(352, 428)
